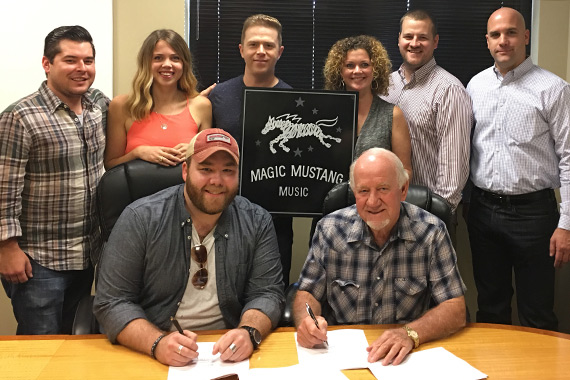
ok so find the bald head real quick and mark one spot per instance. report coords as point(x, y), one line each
point(379, 156)
point(507, 38)
point(509, 13)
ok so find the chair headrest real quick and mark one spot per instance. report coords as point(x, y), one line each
point(127, 182)
point(341, 196)
point(338, 197)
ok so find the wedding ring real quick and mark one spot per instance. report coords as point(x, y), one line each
point(180, 349)
point(160, 158)
point(233, 348)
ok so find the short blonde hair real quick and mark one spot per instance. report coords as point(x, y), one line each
point(262, 20)
point(381, 65)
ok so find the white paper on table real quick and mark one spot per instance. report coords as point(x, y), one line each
point(436, 363)
point(208, 366)
point(346, 350)
point(297, 371)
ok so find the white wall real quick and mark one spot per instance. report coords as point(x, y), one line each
point(24, 26)
point(553, 53)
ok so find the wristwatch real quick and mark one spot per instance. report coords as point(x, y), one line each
point(254, 335)
point(413, 335)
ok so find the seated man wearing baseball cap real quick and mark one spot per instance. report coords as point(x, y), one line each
point(195, 252)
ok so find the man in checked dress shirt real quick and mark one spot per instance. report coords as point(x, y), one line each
point(381, 261)
point(51, 159)
point(437, 109)
point(520, 153)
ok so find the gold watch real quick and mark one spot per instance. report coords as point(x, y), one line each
point(413, 335)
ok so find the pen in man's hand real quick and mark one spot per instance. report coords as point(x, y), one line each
point(312, 315)
point(177, 325)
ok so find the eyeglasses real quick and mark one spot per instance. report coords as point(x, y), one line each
point(200, 255)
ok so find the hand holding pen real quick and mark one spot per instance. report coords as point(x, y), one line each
point(175, 349)
point(312, 315)
point(177, 325)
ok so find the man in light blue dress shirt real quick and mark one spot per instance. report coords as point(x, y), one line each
point(520, 154)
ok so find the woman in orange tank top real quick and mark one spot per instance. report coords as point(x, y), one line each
point(164, 110)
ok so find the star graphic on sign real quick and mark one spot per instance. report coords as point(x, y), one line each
point(297, 152)
point(300, 102)
point(310, 148)
point(315, 111)
point(257, 143)
point(339, 130)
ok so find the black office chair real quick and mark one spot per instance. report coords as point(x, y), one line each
point(341, 196)
point(117, 188)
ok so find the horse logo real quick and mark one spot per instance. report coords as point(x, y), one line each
point(292, 128)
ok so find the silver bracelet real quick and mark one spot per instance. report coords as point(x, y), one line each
point(154, 346)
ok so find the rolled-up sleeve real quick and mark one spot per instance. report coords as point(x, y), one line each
point(120, 281)
point(264, 287)
point(313, 274)
point(446, 282)
point(14, 147)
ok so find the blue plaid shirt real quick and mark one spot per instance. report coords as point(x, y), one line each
point(358, 282)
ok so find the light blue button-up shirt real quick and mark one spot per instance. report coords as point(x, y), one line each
point(521, 138)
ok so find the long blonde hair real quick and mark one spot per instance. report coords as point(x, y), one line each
point(140, 102)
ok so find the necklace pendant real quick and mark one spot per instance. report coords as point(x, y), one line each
point(163, 126)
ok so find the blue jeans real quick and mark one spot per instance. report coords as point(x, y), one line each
point(507, 236)
point(47, 302)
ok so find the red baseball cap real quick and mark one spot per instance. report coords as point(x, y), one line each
point(209, 141)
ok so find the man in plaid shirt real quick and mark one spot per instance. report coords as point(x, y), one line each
point(381, 261)
point(51, 159)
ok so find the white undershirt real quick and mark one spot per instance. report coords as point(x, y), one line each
point(200, 308)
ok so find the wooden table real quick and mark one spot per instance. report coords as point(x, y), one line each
point(502, 352)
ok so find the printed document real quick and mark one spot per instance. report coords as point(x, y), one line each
point(433, 364)
point(346, 350)
point(208, 366)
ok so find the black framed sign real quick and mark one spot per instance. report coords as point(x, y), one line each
point(296, 145)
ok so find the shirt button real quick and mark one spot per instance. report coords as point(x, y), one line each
point(188, 220)
point(378, 278)
point(189, 237)
point(376, 304)
point(226, 236)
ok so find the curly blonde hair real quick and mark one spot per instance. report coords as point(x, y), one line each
point(381, 65)
point(140, 102)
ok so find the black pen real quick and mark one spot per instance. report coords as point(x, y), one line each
point(177, 325)
point(312, 315)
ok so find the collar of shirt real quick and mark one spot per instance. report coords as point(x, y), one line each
point(419, 74)
point(53, 102)
point(515, 73)
point(182, 211)
point(222, 227)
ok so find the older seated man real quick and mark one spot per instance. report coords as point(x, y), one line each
point(381, 261)
point(196, 252)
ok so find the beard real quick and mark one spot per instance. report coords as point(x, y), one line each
point(198, 199)
point(378, 225)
